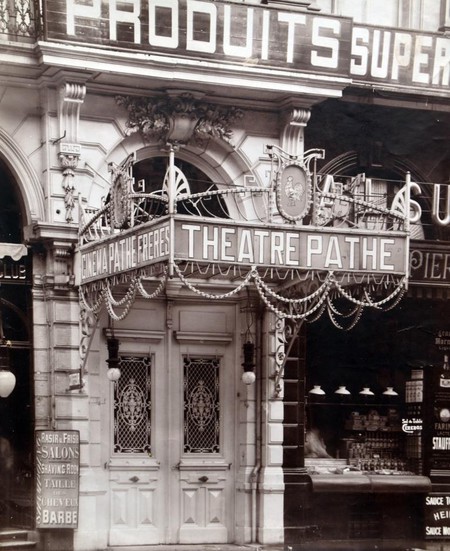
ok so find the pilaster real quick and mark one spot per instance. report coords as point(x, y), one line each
point(249, 436)
point(70, 99)
point(271, 484)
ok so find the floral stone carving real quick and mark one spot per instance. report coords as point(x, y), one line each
point(178, 119)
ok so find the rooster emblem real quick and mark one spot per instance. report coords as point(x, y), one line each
point(294, 190)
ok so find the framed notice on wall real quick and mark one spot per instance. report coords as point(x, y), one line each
point(57, 478)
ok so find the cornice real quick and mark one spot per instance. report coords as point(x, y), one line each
point(111, 67)
point(47, 231)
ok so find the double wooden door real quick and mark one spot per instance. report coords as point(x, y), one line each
point(171, 473)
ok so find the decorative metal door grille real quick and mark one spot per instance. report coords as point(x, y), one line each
point(133, 406)
point(201, 405)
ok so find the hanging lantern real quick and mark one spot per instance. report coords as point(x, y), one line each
point(248, 377)
point(113, 360)
point(7, 378)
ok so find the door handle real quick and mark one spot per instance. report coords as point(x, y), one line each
point(134, 479)
point(176, 467)
point(203, 479)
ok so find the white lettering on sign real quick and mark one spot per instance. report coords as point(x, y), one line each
point(245, 32)
point(59, 517)
point(395, 56)
point(157, 11)
point(126, 253)
point(10, 270)
point(302, 249)
point(194, 10)
point(433, 531)
point(441, 443)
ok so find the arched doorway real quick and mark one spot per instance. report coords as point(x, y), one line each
point(16, 410)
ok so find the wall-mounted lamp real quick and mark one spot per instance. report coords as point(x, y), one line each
point(113, 360)
point(248, 377)
point(7, 378)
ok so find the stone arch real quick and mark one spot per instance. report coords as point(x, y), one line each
point(25, 177)
point(220, 161)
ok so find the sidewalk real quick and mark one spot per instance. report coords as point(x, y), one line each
point(324, 545)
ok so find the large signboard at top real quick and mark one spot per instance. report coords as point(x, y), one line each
point(256, 37)
point(207, 242)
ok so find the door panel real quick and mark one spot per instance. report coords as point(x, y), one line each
point(134, 508)
point(203, 513)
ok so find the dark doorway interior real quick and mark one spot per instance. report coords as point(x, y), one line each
point(16, 410)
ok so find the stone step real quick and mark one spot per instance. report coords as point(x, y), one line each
point(13, 539)
point(15, 545)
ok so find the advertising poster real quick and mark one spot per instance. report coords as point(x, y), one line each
point(57, 478)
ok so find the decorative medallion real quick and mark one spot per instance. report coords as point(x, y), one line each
point(293, 191)
point(120, 204)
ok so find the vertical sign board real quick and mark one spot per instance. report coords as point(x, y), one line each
point(57, 478)
point(437, 516)
point(440, 421)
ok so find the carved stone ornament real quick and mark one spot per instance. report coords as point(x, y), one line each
point(178, 119)
point(293, 191)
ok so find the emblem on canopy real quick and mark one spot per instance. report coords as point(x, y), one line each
point(293, 191)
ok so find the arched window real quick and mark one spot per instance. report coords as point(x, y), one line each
point(10, 213)
point(149, 175)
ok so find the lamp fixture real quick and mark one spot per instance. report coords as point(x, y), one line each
point(342, 391)
point(390, 391)
point(248, 377)
point(317, 390)
point(7, 378)
point(113, 360)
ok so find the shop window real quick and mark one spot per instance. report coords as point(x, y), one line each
point(361, 389)
point(201, 406)
point(133, 406)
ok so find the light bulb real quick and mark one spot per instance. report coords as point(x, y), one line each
point(248, 377)
point(7, 383)
point(113, 374)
